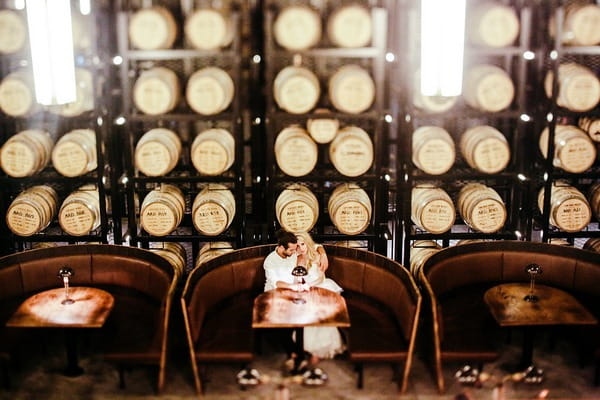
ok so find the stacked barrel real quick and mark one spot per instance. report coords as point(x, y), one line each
point(50, 155)
point(324, 115)
point(182, 119)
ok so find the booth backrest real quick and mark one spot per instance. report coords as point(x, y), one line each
point(571, 269)
point(96, 265)
point(376, 277)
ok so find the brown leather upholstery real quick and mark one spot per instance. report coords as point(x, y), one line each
point(383, 302)
point(141, 282)
point(456, 278)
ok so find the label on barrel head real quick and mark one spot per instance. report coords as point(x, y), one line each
point(206, 29)
point(577, 155)
point(437, 216)
point(205, 95)
point(491, 155)
point(210, 219)
point(23, 219)
point(350, 26)
point(157, 219)
point(298, 95)
point(76, 219)
point(352, 156)
point(351, 218)
point(210, 157)
point(297, 216)
point(323, 130)
point(297, 156)
point(151, 29)
point(495, 92)
point(70, 159)
point(582, 92)
point(488, 216)
point(153, 158)
point(152, 96)
point(18, 159)
point(572, 215)
point(436, 156)
point(16, 98)
point(353, 93)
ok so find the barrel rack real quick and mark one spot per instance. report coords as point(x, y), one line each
point(324, 60)
point(94, 59)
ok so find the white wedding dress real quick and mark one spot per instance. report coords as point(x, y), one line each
point(325, 341)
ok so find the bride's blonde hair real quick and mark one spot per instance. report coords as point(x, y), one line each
point(311, 249)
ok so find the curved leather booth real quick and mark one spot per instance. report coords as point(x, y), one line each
point(455, 280)
point(142, 284)
point(383, 303)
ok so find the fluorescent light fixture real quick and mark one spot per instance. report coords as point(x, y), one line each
point(51, 40)
point(442, 47)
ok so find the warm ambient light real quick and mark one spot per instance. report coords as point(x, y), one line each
point(442, 47)
point(51, 40)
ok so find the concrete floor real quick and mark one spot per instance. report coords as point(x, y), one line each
point(38, 377)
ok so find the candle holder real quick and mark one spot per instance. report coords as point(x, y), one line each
point(533, 270)
point(299, 272)
point(65, 273)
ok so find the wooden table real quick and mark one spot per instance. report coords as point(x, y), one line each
point(284, 308)
point(44, 310)
point(554, 307)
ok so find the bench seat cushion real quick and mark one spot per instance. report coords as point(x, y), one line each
point(226, 334)
point(468, 329)
point(374, 334)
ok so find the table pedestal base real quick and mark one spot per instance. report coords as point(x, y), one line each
point(72, 369)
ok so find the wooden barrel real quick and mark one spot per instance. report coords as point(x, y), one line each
point(432, 209)
point(297, 27)
point(152, 28)
point(578, 87)
point(482, 208)
point(592, 244)
point(297, 208)
point(350, 209)
point(17, 96)
point(296, 90)
point(212, 250)
point(433, 150)
point(162, 210)
point(594, 197)
point(174, 253)
point(79, 213)
point(75, 153)
point(581, 24)
point(493, 24)
point(295, 152)
point(209, 91)
point(353, 244)
point(350, 26)
point(213, 151)
point(591, 126)
point(351, 152)
point(488, 88)
point(420, 251)
point(559, 242)
point(431, 104)
point(569, 209)
point(485, 149)
point(84, 99)
point(13, 31)
point(156, 91)
point(213, 209)
point(32, 210)
point(351, 89)
point(322, 130)
point(209, 29)
point(26, 153)
point(157, 152)
point(574, 151)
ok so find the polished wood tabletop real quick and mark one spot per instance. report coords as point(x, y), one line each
point(554, 306)
point(284, 308)
point(45, 310)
